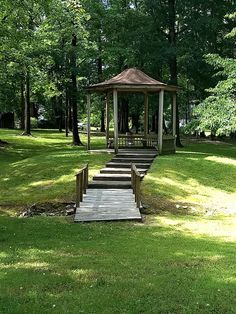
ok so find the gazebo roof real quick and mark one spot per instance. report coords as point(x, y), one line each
point(131, 80)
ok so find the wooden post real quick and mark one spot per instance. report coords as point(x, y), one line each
point(107, 118)
point(145, 115)
point(174, 115)
point(81, 186)
point(88, 120)
point(138, 191)
point(85, 179)
point(77, 192)
point(115, 105)
point(160, 121)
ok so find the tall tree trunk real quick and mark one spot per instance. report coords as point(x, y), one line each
point(99, 65)
point(76, 138)
point(173, 59)
point(135, 122)
point(27, 130)
point(123, 116)
point(22, 105)
point(67, 114)
point(60, 116)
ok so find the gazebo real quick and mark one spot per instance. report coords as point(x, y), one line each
point(134, 81)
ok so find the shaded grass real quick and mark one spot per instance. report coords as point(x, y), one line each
point(169, 265)
point(201, 175)
point(42, 167)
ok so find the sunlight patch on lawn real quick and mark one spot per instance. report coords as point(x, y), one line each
point(42, 183)
point(83, 275)
point(221, 160)
point(19, 265)
point(223, 229)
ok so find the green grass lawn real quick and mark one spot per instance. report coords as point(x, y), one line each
point(200, 176)
point(170, 264)
point(42, 167)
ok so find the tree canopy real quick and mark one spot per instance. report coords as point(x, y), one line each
point(50, 49)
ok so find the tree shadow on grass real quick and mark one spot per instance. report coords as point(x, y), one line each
point(113, 268)
point(46, 176)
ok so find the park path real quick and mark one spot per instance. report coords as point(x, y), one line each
point(109, 196)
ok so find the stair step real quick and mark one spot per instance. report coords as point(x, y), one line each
point(133, 160)
point(113, 164)
point(121, 170)
point(133, 155)
point(110, 185)
point(112, 177)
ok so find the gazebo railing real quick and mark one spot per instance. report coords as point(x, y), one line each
point(135, 183)
point(134, 141)
point(81, 184)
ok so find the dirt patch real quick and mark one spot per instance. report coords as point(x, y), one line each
point(157, 205)
point(49, 209)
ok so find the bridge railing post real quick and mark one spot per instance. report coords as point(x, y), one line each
point(81, 184)
point(135, 183)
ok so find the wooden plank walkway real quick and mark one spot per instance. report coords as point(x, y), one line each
point(110, 196)
point(108, 204)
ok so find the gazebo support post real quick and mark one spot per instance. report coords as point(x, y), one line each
point(145, 115)
point(160, 121)
point(115, 107)
point(88, 120)
point(174, 114)
point(107, 118)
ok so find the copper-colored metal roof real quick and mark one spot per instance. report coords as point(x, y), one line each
point(131, 80)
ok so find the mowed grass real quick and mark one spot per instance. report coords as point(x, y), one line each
point(170, 264)
point(200, 175)
point(43, 167)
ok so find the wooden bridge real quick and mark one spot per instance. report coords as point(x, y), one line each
point(114, 193)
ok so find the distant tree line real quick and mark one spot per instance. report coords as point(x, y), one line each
point(50, 49)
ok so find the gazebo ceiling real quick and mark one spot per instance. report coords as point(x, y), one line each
point(131, 80)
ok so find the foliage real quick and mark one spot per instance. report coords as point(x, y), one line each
point(218, 111)
point(36, 37)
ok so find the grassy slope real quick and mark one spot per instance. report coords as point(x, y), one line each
point(202, 176)
point(42, 167)
point(170, 264)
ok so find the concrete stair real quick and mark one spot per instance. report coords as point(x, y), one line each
point(109, 196)
point(121, 170)
point(117, 173)
point(112, 177)
point(115, 164)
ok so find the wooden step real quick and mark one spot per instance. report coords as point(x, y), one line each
point(113, 164)
point(112, 177)
point(107, 204)
point(110, 185)
point(121, 170)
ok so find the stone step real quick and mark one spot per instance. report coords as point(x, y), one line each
point(130, 159)
point(112, 164)
point(133, 155)
point(121, 170)
point(137, 151)
point(112, 177)
point(110, 185)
